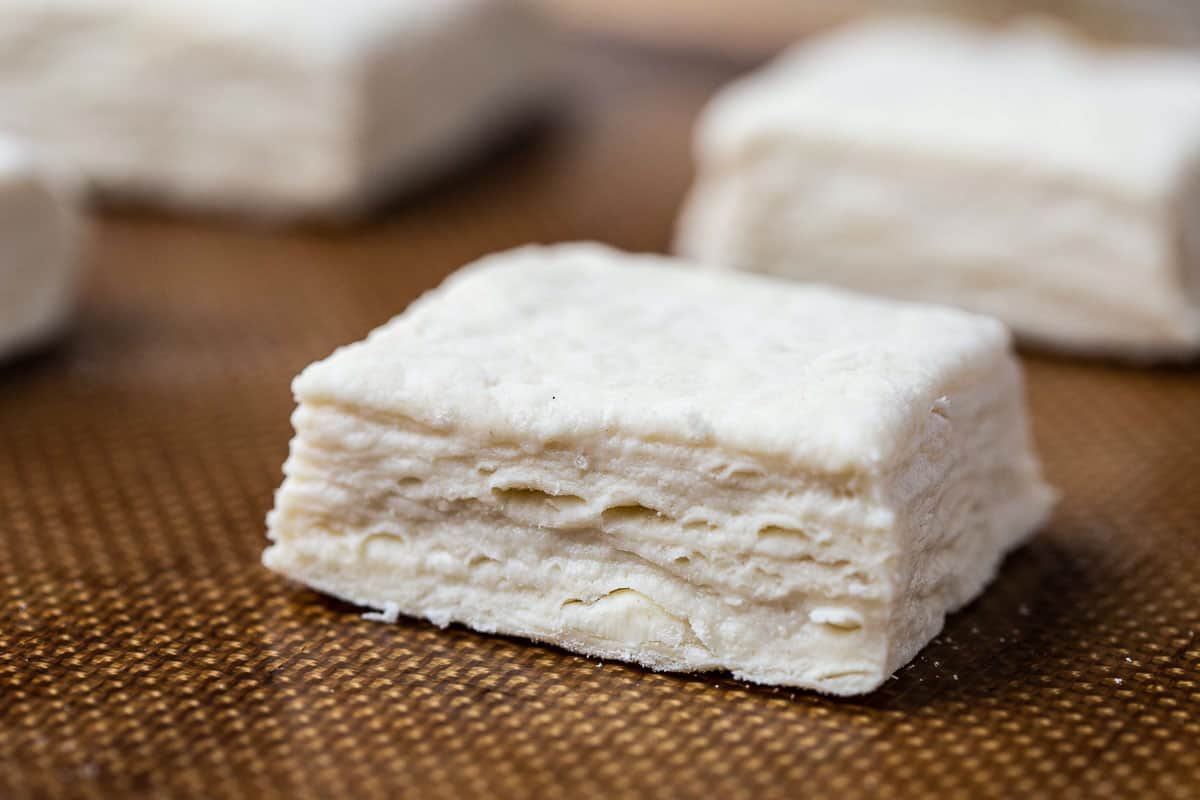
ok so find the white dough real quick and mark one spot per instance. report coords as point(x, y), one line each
point(268, 107)
point(40, 227)
point(1020, 173)
point(688, 470)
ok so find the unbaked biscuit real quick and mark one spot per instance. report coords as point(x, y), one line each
point(687, 470)
point(271, 108)
point(1021, 174)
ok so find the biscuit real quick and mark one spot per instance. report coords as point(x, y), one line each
point(684, 469)
point(268, 108)
point(1020, 174)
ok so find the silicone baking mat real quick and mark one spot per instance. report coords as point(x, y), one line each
point(145, 652)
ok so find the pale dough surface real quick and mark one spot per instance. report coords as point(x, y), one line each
point(639, 460)
point(270, 108)
point(1019, 173)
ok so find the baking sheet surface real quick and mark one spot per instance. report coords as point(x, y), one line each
point(145, 652)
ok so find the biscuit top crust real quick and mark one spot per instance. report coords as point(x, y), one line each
point(1029, 97)
point(580, 340)
point(310, 30)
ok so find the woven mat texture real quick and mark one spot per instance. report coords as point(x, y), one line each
point(145, 652)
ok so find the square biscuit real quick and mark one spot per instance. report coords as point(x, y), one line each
point(1020, 173)
point(268, 108)
point(684, 469)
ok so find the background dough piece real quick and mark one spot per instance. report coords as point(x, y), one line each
point(1021, 174)
point(270, 107)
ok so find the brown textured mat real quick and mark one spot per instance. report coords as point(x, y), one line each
point(144, 651)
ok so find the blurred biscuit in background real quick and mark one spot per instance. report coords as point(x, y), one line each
point(1021, 173)
point(268, 108)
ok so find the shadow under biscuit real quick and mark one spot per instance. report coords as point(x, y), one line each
point(37, 356)
point(1016, 636)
